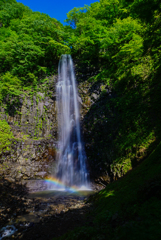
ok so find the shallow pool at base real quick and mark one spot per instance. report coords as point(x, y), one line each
point(59, 193)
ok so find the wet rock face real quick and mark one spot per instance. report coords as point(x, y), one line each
point(29, 160)
point(33, 120)
point(97, 121)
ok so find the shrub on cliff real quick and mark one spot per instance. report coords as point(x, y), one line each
point(9, 85)
point(5, 135)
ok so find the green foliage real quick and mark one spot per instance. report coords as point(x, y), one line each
point(9, 85)
point(30, 43)
point(75, 14)
point(5, 135)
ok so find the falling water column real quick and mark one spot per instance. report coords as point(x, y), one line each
point(71, 157)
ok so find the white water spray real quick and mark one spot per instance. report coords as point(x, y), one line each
point(71, 157)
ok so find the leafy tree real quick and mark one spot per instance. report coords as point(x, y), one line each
point(75, 14)
point(30, 42)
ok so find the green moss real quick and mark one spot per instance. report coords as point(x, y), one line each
point(5, 136)
point(45, 108)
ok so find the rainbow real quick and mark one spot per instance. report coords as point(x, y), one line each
point(60, 184)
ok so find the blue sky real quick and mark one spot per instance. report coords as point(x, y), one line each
point(55, 8)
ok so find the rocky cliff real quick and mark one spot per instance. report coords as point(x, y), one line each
point(95, 120)
point(33, 120)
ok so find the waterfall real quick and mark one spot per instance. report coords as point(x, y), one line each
point(71, 155)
